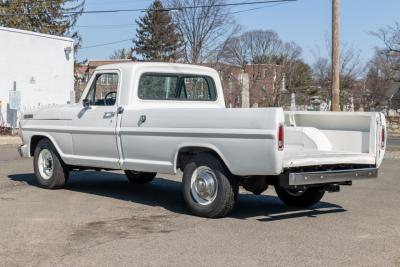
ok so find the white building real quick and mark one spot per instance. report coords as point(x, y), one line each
point(42, 66)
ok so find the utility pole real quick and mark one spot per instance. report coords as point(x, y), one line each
point(335, 55)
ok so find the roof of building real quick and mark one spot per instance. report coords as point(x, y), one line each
point(100, 62)
point(43, 35)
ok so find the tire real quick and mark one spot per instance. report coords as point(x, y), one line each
point(55, 175)
point(140, 177)
point(216, 191)
point(307, 198)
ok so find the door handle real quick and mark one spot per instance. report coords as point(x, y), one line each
point(142, 119)
point(109, 114)
point(120, 110)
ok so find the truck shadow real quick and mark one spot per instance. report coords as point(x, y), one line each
point(166, 193)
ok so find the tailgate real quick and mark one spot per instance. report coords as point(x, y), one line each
point(332, 138)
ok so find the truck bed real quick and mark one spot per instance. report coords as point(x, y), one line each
point(321, 138)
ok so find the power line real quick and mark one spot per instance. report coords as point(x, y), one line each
point(159, 10)
point(114, 26)
point(111, 26)
point(86, 2)
point(116, 2)
point(105, 44)
point(133, 24)
point(257, 8)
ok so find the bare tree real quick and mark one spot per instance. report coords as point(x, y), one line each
point(256, 47)
point(378, 82)
point(263, 55)
point(351, 67)
point(369, 86)
point(390, 36)
point(204, 27)
point(351, 73)
point(265, 47)
point(122, 53)
point(321, 72)
point(383, 75)
point(297, 72)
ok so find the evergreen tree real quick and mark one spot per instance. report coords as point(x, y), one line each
point(56, 17)
point(157, 37)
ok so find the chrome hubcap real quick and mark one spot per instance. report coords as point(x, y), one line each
point(204, 185)
point(45, 164)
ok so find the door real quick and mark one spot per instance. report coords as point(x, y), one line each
point(94, 126)
point(150, 137)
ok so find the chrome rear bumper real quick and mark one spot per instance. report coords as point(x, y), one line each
point(295, 179)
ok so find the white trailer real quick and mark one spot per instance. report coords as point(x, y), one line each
point(42, 67)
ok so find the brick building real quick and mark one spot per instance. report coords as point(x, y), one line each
point(252, 85)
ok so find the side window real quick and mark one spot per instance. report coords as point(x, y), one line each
point(157, 87)
point(176, 87)
point(103, 91)
point(198, 88)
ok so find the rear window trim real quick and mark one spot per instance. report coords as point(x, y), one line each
point(179, 75)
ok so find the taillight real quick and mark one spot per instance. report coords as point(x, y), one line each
point(383, 138)
point(280, 138)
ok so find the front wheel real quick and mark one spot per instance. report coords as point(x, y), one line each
point(140, 177)
point(300, 198)
point(209, 189)
point(49, 168)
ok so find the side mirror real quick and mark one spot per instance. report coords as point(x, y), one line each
point(85, 103)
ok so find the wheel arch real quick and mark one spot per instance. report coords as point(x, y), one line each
point(186, 151)
point(36, 138)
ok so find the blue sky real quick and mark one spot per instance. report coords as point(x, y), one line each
point(307, 22)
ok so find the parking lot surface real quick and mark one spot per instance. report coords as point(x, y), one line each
point(100, 219)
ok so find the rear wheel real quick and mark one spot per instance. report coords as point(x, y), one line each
point(300, 198)
point(49, 168)
point(209, 189)
point(140, 177)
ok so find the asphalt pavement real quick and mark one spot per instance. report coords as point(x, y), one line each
point(394, 143)
point(100, 219)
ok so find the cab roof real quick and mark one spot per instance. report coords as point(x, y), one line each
point(129, 66)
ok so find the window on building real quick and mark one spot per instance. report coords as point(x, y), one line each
point(176, 87)
point(264, 87)
point(108, 79)
point(264, 73)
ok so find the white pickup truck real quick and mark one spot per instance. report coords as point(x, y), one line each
point(148, 118)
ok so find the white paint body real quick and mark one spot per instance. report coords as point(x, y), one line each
point(43, 71)
point(245, 139)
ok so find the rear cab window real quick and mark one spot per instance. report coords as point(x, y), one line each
point(159, 86)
